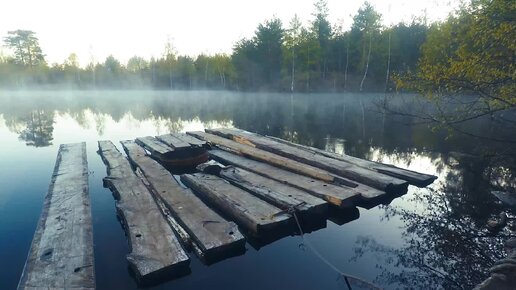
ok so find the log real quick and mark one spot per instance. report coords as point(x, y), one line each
point(155, 147)
point(213, 235)
point(154, 248)
point(412, 177)
point(356, 173)
point(338, 195)
point(174, 142)
point(61, 253)
point(272, 191)
point(255, 215)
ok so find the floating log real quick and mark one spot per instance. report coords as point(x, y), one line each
point(356, 173)
point(212, 234)
point(154, 249)
point(413, 177)
point(272, 191)
point(250, 212)
point(61, 254)
point(338, 195)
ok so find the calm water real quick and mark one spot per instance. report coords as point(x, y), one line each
point(429, 238)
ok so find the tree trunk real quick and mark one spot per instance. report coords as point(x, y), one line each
point(346, 70)
point(367, 62)
point(388, 65)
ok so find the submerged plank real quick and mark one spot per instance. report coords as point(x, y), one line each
point(345, 169)
point(61, 254)
point(413, 177)
point(272, 191)
point(211, 233)
point(154, 247)
point(173, 141)
point(339, 195)
point(252, 213)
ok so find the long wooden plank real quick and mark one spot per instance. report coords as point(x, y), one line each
point(413, 177)
point(173, 141)
point(272, 191)
point(250, 212)
point(213, 234)
point(154, 247)
point(345, 169)
point(338, 195)
point(61, 254)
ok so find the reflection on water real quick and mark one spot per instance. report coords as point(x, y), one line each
point(429, 238)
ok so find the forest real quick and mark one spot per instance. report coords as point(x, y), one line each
point(292, 57)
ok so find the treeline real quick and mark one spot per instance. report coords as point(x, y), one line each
point(319, 56)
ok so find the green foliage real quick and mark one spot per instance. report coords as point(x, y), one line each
point(25, 45)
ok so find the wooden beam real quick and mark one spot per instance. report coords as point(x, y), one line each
point(413, 177)
point(338, 195)
point(61, 254)
point(189, 139)
point(345, 169)
point(272, 191)
point(212, 234)
point(154, 246)
point(155, 147)
point(250, 212)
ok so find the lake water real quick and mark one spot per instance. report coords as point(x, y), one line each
point(429, 238)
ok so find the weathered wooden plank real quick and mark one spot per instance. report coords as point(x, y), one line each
point(339, 195)
point(154, 247)
point(345, 169)
point(250, 212)
point(272, 191)
point(189, 139)
point(413, 177)
point(212, 234)
point(61, 254)
point(155, 147)
point(173, 142)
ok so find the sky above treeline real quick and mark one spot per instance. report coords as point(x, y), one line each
point(94, 29)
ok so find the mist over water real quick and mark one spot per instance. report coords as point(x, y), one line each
point(441, 227)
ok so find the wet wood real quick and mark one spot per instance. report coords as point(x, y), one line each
point(338, 195)
point(156, 148)
point(61, 254)
point(272, 191)
point(173, 142)
point(154, 248)
point(255, 215)
point(345, 169)
point(212, 234)
point(413, 177)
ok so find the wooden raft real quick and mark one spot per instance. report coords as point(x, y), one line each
point(178, 149)
point(61, 254)
point(154, 249)
point(213, 235)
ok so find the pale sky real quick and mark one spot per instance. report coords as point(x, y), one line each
point(126, 28)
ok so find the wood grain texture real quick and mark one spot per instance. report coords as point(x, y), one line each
point(345, 169)
point(154, 248)
point(250, 212)
point(274, 192)
point(338, 195)
point(413, 177)
point(61, 254)
point(189, 139)
point(155, 147)
point(174, 142)
point(212, 234)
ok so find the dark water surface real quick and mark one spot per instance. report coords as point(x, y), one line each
point(427, 239)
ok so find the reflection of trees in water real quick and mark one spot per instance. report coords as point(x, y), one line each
point(36, 129)
point(447, 244)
